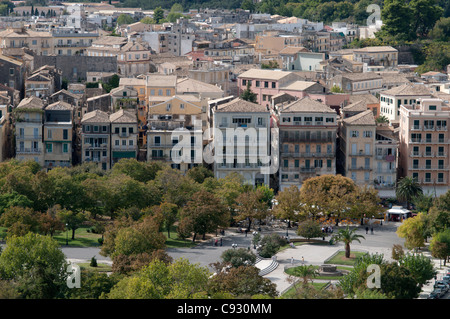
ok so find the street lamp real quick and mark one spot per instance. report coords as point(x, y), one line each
point(67, 235)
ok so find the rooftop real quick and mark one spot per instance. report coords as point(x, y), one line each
point(241, 106)
point(307, 104)
point(363, 118)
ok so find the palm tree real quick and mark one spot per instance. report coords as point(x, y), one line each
point(305, 272)
point(348, 236)
point(408, 188)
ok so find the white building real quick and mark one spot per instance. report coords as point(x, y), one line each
point(244, 140)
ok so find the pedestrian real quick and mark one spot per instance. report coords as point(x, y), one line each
point(292, 260)
point(221, 242)
point(371, 230)
point(367, 230)
point(303, 260)
point(215, 242)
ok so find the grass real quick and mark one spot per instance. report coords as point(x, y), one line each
point(175, 242)
point(83, 238)
point(340, 259)
point(291, 271)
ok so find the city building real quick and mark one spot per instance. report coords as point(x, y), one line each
point(124, 135)
point(243, 153)
point(308, 131)
point(58, 135)
point(424, 143)
point(28, 118)
point(96, 139)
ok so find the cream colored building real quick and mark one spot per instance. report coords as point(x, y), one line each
point(58, 135)
point(164, 118)
point(96, 139)
point(29, 128)
point(357, 139)
point(308, 131)
point(124, 135)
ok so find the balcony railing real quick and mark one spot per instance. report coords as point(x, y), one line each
point(315, 155)
point(28, 151)
point(359, 168)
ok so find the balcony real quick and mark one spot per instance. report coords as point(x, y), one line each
point(441, 128)
point(360, 154)
point(441, 154)
point(428, 128)
point(430, 167)
point(308, 155)
point(428, 154)
point(360, 168)
point(29, 151)
point(416, 128)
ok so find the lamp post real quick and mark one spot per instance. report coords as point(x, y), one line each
point(67, 235)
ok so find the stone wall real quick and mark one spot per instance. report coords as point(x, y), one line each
point(75, 67)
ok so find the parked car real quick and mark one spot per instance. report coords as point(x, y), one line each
point(439, 292)
point(442, 285)
point(446, 279)
point(433, 295)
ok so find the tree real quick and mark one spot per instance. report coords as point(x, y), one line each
point(158, 280)
point(397, 282)
point(288, 204)
point(251, 205)
point(440, 245)
point(248, 95)
point(238, 257)
point(72, 220)
point(20, 221)
point(330, 195)
point(306, 273)
point(270, 244)
point(347, 236)
point(124, 19)
point(441, 30)
point(94, 285)
point(382, 119)
point(397, 19)
point(36, 264)
point(425, 13)
point(420, 267)
point(176, 7)
point(169, 213)
point(407, 189)
point(412, 229)
point(199, 174)
point(139, 171)
point(158, 15)
point(248, 5)
point(50, 222)
point(202, 214)
point(309, 229)
point(336, 89)
point(242, 282)
point(132, 238)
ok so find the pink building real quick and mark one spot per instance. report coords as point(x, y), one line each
point(424, 143)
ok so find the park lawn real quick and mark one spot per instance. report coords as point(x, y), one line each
point(83, 238)
point(339, 258)
point(175, 242)
point(100, 267)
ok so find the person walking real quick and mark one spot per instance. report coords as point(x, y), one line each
point(367, 229)
point(371, 230)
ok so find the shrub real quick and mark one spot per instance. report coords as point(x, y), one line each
point(93, 262)
point(270, 245)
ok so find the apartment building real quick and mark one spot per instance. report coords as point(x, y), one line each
point(386, 160)
point(58, 135)
point(308, 131)
point(357, 83)
point(242, 155)
point(28, 130)
point(164, 119)
point(265, 83)
point(424, 143)
point(96, 138)
point(124, 135)
point(384, 56)
point(5, 127)
point(273, 43)
point(356, 142)
point(392, 99)
point(71, 41)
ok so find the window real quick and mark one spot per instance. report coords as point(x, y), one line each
point(168, 92)
point(49, 147)
point(65, 134)
point(160, 92)
point(116, 143)
point(367, 133)
point(432, 107)
point(65, 148)
point(257, 83)
point(95, 128)
point(131, 142)
point(354, 133)
point(49, 133)
point(182, 106)
point(274, 85)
